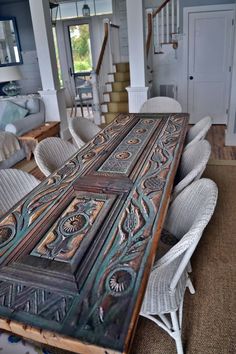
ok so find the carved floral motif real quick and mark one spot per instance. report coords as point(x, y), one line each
point(122, 265)
point(48, 193)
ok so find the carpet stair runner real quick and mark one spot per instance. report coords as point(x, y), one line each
point(116, 96)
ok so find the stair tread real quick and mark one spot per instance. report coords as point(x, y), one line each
point(117, 92)
point(120, 102)
point(120, 72)
point(108, 82)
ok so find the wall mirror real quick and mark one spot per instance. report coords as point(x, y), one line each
point(10, 51)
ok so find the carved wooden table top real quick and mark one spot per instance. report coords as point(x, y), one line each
point(76, 253)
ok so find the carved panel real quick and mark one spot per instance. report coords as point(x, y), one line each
point(65, 237)
point(109, 302)
point(45, 197)
point(32, 300)
point(125, 155)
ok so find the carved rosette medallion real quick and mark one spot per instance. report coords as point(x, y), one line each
point(120, 281)
point(7, 232)
point(73, 223)
point(133, 141)
point(123, 155)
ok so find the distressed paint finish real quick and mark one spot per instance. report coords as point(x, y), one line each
point(76, 253)
point(127, 152)
point(67, 234)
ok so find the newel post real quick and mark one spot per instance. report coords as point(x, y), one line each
point(96, 102)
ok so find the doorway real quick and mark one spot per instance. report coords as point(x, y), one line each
point(80, 47)
point(208, 61)
point(79, 54)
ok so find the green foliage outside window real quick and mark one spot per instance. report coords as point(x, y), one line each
point(80, 46)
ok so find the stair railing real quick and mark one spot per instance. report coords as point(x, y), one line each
point(149, 47)
point(149, 31)
point(103, 48)
point(166, 18)
point(109, 54)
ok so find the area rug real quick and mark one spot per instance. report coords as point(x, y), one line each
point(209, 324)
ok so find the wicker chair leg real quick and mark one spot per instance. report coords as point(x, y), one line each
point(190, 286)
point(189, 267)
point(71, 111)
point(176, 334)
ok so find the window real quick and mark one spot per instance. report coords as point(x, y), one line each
point(72, 9)
point(80, 48)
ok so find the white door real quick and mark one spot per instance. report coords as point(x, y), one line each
point(209, 64)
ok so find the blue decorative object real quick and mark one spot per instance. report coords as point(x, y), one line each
point(12, 112)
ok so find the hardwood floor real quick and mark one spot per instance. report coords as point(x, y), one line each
point(216, 137)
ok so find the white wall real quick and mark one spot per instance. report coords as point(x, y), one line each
point(120, 19)
point(168, 67)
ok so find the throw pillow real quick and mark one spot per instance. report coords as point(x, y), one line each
point(12, 112)
point(32, 104)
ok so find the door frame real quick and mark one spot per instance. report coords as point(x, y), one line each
point(75, 22)
point(186, 12)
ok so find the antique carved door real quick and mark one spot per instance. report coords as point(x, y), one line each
point(76, 252)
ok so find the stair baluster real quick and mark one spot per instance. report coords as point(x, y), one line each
point(166, 18)
point(172, 16)
point(167, 23)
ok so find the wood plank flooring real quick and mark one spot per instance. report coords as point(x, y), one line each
point(216, 137)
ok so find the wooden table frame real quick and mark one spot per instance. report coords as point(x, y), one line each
point(33, 137)
point(77, 251)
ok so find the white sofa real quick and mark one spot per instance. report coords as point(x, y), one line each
point(34, 118)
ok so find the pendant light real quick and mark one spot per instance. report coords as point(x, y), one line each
point(86, 10)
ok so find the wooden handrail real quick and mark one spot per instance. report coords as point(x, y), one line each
point(149, 36)
point(115, 26)
point(158, 10)
point(104, 43)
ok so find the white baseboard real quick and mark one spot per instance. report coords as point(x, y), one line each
point(230, 139)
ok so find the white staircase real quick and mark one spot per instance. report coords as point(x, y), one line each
point(166, 25)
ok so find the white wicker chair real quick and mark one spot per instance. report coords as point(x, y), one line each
point(51, 153)
point(192, 165)
point(14, 185)
point(198, 131)
point(82, 130)
point(187, 218)
point(161, 105)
